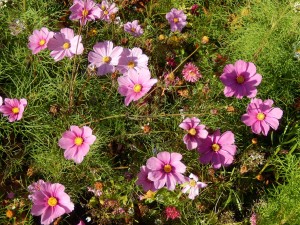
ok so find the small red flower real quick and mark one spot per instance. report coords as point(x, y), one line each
point(172, 212)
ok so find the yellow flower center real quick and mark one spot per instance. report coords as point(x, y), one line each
point(85, 12)
point(103, 7)
point(78, 141)
point(133, 29)
point(66, 45)
point(260, 116)
point(175, 20)
point(15, 110)
point(240, 79)
point(193, 183)
point(105, 12)
point(215, 147)
point(131, 64)
point(191, 73)
point(52, 201)
point(42, 42)
point(106, 59)
point(192, 131)
point(167, 168)
point(171, 77)
point(137, 88)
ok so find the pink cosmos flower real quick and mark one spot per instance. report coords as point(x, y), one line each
point(172, 213)
point(39, 39)
point(217, 149)
point(132, 59)
point(13, 108)
point(105, 57)
point(240, 79)
point(35, 186)
point(135, 85)
point(133, 28)
point(84, 10)
point(177, 19)
point(196, 132)
point(65, 44)
point(76, 142)
point(191, 73)
point(107, 10)
point(144, 181)
point(261, 116)
point(51, 202)
point(193, 186)
point(166, 169)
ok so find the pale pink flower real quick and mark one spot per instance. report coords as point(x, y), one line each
point(217, 149)
point(144, 181)
point(13, 108)
point(105, 57)
point(84, 10)
point(51, 202)
point(193, 186)
point(76, 142)
point(191, 73)
point(107, 10)
point(135, 85)
point(261, 116)
point(196, 132)
point(133, 28)
point(253, 219)
point(132, 59)
point(177, 19)
point(240, 79)
point(65, 44)
point(166, 169)
point(172, 213)
point(39, 39)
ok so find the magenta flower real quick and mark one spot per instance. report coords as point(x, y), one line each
point(177, 19)
point(261, 116)
point(105, 57)
point(132, 59)
point(51, 202)
point(193, 186)
point(240, 79)
point(76, 143)
point(196, 132)
point(39, 39)
point(144, 181)
point(13, 108)
point(217, 149)
point(107, 10)
point(135, 85)
point(133, 28)
point(191, 73)
point(84, 10)
point(65, 44)
point(166, 169)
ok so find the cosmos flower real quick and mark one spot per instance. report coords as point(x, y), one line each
point(193, 186)
point(195, 132)
point(84, 10)
point(261, 116)
point(133, 28)
point(217, 149)
point(144, 181)
point(166, 169)
point(76, 142)
point(39, 39)
point(107, 11)
point(13, 108)
point(240, 79)
point(191, 73)
point(177, 19)
point(65, 44)
point(51, 202)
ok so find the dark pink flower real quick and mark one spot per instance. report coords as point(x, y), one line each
point(192, 186)
point(39, 40)
point(171, 62)
point(191, 73)
point(107, 10)
point(13, 108)
point(76, 142)
point(194, 9)
point(240, 79)
point(51, 202)
point(166, 169)
point(65, 44)
point(217, 149)
point(177, 19)
point(133, 28)
point(261, 116)
point(135, 85)
point(196, 132)
point(105, 57)
point(172, 213)
point(84, 10)
point(144, 181)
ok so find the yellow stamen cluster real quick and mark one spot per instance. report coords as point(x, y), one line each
point(137, 88)
point(260, 116)
point(192, 131)
point(78, 141)
point(193, 183)
point(42, 42)
point(215, 147)
point(131, 64)
point(106, 59)
point(52, 201)
point(240, 79)
point(175, 20)
point(167, 168)
point(15, 110)
point(85, 12)
point(66, 45)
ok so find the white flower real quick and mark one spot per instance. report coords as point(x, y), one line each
point(193, 186)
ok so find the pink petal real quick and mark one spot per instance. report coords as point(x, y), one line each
point(154, 164)
point(226, 138)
